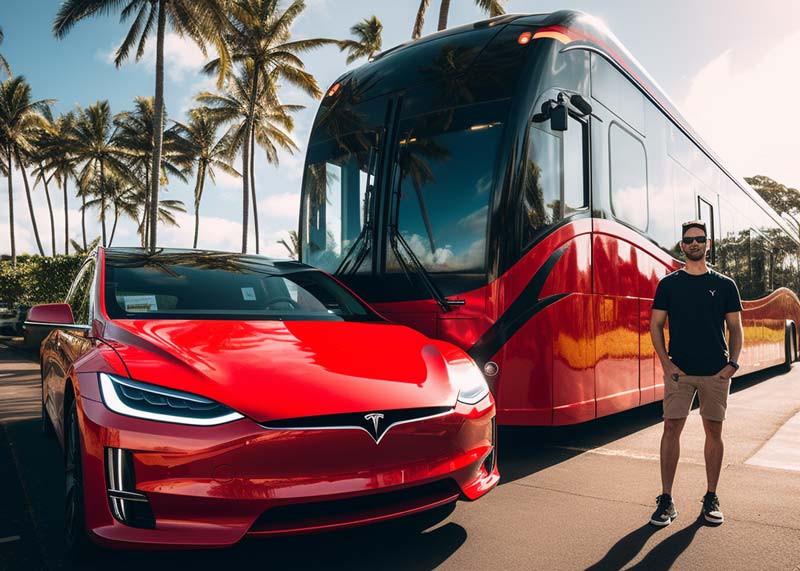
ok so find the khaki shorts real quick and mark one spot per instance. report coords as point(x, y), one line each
point(713, 391)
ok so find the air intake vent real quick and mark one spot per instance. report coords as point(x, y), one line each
point(127, 505)
point(352, 511)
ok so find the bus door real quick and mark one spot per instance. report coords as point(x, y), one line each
point(620, 191)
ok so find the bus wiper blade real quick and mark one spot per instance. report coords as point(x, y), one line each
point(362, 247)
point(425, 278)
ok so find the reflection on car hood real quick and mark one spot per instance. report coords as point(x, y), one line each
point(271, 370)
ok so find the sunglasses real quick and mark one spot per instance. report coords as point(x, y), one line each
point(699, 239)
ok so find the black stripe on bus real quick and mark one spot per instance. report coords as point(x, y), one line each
point(521, 311)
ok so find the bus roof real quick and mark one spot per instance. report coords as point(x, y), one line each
point(576, 30)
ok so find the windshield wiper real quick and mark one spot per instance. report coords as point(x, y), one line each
point(395, 239)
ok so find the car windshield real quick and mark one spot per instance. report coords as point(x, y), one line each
point(225, 287)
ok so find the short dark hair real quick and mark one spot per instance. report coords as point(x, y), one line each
point(694, 224)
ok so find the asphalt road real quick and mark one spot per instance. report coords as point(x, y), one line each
point(570, 498)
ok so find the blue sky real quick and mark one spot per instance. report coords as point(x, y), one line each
point(728, 65)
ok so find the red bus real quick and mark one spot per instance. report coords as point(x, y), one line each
point(516, 187)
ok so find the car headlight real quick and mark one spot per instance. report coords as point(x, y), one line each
point(471, 382)
point(151, 402)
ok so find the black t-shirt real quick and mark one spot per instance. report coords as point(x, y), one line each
point(696, 307)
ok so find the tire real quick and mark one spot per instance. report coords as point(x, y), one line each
point(79, 546)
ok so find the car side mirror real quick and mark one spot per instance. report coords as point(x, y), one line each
point(54, 315)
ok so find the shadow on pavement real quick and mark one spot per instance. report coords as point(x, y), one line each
point(660, 558)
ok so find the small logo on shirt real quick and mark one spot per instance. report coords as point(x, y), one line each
point(712, 292)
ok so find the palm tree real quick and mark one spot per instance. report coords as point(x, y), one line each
point(271, 123)
point(134, 137)
point(20, 122)
point(260, 39)
point(96, 148)
point(204, 21)
point(492, 7)
point(199, 140)
point(85, 249)
point(294, 249)
point(368, 39)
point(4, 61)
point(45, 141)
point(60, 160)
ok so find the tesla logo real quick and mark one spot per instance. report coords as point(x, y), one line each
point(712, 292)
point(375, 417)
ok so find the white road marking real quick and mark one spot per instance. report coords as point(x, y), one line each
point(625, 454)
point(9, 539)
point(782, 451)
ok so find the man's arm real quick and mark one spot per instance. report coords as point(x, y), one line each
point(735, 340)
point(657, 320)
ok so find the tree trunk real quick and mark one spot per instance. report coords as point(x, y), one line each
point(245, 181)
point(114, 227)
point(145, 229)
point(198, 194)
point(11, 213)
point(50, 209)
point(253, 183)
point(246, 155)
point(158, 125)
point(66, 219)
point(83, 219)
point(30, 204)
point(103, 201)
point(444, 9)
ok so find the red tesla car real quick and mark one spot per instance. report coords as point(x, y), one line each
point(202, 397)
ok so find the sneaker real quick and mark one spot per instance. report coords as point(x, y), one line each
point(665, 512)
point(711, 509)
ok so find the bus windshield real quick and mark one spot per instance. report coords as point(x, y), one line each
point(442, 173)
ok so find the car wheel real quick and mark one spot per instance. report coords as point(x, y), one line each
point(78, 543)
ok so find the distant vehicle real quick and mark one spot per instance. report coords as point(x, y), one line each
point(516, 187)
point(12, 320)
point(202, 397)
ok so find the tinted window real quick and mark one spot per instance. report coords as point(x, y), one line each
point(555, 182)
point(192, 287)
point(628, 176)
point(541, 187)
point(444, 174)
point(79, 296)
point(618, 94)
point(340, 164)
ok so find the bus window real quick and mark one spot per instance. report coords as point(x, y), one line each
point(541, 187)
point(336, 186)
point(706, 213)
point(628, 176)
point(576, 154)
point(443, 181)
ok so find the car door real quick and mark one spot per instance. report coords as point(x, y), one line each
point(65, 346)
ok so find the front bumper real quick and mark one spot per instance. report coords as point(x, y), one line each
point(211, 486)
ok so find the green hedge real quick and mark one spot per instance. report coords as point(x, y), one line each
point(38, 279)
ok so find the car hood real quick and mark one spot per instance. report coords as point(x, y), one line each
point(270, 370)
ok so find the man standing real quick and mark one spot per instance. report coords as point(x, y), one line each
point(699, 303)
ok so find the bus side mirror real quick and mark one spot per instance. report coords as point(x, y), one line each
point(559, 117)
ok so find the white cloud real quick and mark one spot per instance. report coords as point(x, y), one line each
point(182, 56)
point(744, 113)
point(281, 207)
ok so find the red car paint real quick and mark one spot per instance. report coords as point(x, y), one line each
point(211, 486)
